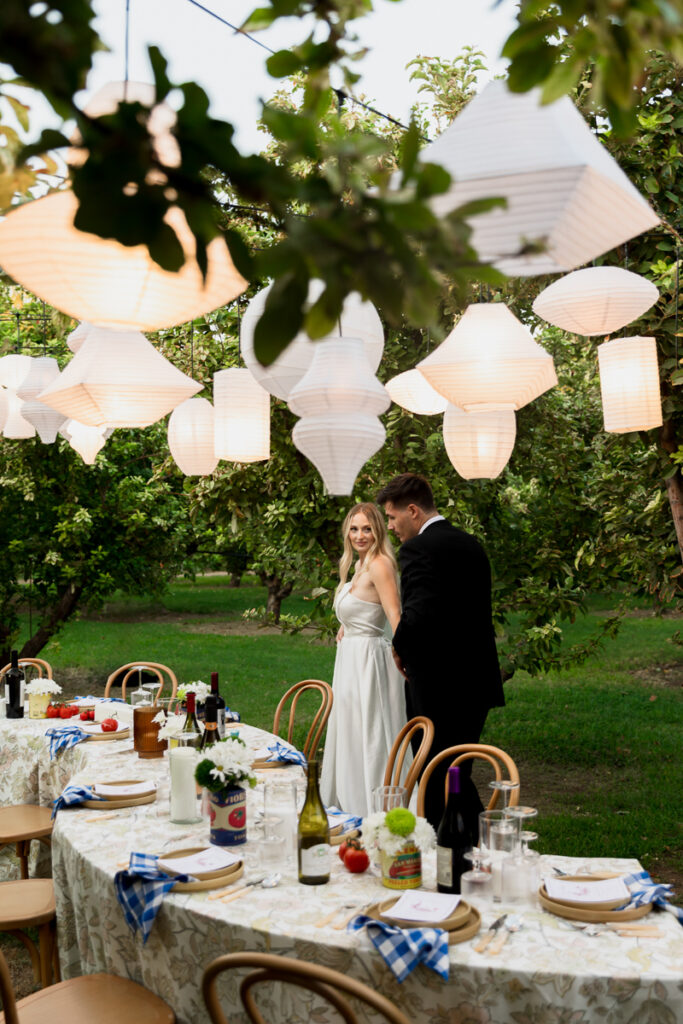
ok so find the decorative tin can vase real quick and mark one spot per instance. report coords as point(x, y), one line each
point(38, 704)
point(146, 732)
point(402, 870)
point(228, 816)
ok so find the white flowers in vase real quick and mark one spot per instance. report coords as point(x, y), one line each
point(226, 763)
point(390, 831)
point(41, 687)
point(200, 689)
point(170, 726)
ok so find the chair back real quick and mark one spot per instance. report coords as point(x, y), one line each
point(153, 666)
point(496, 757)
point(398, 752)
point(331, 985)
point(9, 1005)
point(319, 722)
point(42, 666)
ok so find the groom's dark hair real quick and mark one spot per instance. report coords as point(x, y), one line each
point(407, 489)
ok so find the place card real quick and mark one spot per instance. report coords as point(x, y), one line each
point(132, 789)
point(603, 890)
point(213, 858)
point(423, 906)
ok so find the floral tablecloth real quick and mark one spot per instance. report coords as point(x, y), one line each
point(547, 973)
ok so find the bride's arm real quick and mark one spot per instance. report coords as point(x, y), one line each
point(382, 574)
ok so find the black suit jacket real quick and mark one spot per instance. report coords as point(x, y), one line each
point(445, 637)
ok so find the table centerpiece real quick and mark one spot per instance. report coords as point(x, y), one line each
point(400, 838)
point(222, 769)
point(40, 692)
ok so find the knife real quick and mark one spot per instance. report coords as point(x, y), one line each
point(483, 943)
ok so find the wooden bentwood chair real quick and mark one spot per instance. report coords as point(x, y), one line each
point(400, 749)
point(152, 666)
point(331, 985)
point(319, 722)
point(37, 663)
point(470, 752)
point(30, 904)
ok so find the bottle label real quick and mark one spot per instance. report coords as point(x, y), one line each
point(444, 865)
point(315, 861)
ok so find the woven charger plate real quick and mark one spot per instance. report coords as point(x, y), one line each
point(585, 905)
point(469, 926)
point(260, 764)
point(582, 913)
point(126, 797)
point(118, 803)
point(205, 879)
point(338, 838)
point(120, 734)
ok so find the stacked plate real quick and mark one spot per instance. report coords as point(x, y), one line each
point(122, 793)
point(212, 867)
point(463, 923)
point(95, 732)
point(598, 911)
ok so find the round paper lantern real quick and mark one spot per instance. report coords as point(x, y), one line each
point(479, 443)
point(78, 336)
point(85, 440)
point(119, 379)
point(562, 186)
point(4, 408)
point(13, 370)
point(47, 421)
point(190, 437)
point(16, 427)
point(596, 300)
point(358, 319)
point(629, 383)
point(104, 282)
point(489, 358)
point(411, 391)
point(241, 417)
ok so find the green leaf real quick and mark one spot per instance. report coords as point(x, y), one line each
point(432, 180)
point(159, 66)
point(282, 64)
point(282, 317)
point(410, 148)
point(651, 184)
point(525, 39)
point(262, 17)
point(20, 110)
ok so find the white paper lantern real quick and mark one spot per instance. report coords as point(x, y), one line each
point(104, 282)
point(241, 417)
point(4, 408)
point(339, 445)
point(561, 184)
point(190, 437)
point(629, 383)
point(119, 379)
point(489, 358)
point(85, 440)
point(359, 319)
point(13, 370)
point(78, 336)
point(412, 391)
point(596, 300)
point(479, 443)
point(44, 369)
point(16, 427)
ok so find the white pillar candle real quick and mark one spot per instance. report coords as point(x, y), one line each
point(183, 788)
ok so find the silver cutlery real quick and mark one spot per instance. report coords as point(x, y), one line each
point(490, 934)
point(512, 924)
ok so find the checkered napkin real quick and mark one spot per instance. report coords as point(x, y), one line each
point(348, 821)
point(98, 700)
point(281, 752)
point(73, 795)
point(644, 890)
point(65, 738)
point(141, 889)
point(402, 949)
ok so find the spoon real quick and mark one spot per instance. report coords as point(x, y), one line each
point(266, 882)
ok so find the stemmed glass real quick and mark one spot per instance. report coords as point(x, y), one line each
point(477, 883)
point(521, 874)
point(505, 786)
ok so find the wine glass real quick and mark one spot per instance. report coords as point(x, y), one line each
point(477, 883)
point(505, 786)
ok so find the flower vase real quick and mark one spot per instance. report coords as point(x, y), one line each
point(38, 704)
point(402, 870)
point(228, 816)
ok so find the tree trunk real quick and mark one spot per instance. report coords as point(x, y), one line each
point(235, 579)
point(60, 611)
point(277, 592)
point(674, 490)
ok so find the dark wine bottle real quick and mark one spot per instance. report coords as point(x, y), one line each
point(313, 834)
point(453, 838)
point(14, 688)
point(220, 704)
point(210, 734)
point(191, 734)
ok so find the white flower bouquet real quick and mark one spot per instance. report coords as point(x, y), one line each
point(170, 727)
point(41, 687)
point(224, 764)
point(389, 831)
point(200, 689)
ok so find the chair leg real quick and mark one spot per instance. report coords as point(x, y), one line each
point(23, 851)
point(32, 951)
point(46, 947)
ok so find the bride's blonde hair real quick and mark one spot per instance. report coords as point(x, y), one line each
point(381, 545)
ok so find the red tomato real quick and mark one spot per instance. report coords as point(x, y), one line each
point(110, 725)
point(75, 710)
point(356, 860)
point(91, 715)
point(65, 713)
point(237, 818)
point(85, 716)
point(52, 711)
point(348, 844)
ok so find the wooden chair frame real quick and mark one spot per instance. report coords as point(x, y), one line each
point(470, 752)
point(331, 985)
point(152, 666)
point(21, 835)
point(399, 751)
point(38, 663)
point(319, 722)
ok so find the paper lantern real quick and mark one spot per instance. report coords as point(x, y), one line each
point(118, 378)
point(241, 417)
point(479, 443)
point(4, 408)
point(104, 282)
point(561, 184)
point(339, 400)
point(596, 300)
point(190, 437)
point(411, 391)
point(78, 336)
point(85, 440)
point(13, 370)
point(358, 319)
point(16, 427)
point(489, 358)
point(629, 383)
point(47, 421)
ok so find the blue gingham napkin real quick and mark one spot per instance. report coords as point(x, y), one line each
point(232, 716)
point(72, 795)
point(98, 700)
point(281, 752)
point(402, 949)
point(348, 822)
point(65, 738)
point(644, 890)
point(141, 889)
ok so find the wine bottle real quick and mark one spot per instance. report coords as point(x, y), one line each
point(190, 734)
point(14, 688)
point(453, 838)
point(313, 834)
point(210, 734)
point(220, 703)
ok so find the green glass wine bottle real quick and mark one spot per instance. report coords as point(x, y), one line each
point(313, 834)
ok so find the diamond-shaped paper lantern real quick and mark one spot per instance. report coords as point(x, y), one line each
point(190, 437)
point(413, 392)
point(596, 300)
point(241, 417)
point(44, 369)
point(479, 443)
point(629, 383)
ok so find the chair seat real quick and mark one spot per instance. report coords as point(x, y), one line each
point(95, 999)
point(27, 903)
point(24, 821)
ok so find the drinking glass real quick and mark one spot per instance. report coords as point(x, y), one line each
point(385, 798)
point(498, 839)
point(477, 883)
point(521, 873)
point(505, 786)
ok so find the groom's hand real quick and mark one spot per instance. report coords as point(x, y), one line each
point(399, 663)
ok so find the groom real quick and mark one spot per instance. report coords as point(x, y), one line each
point(444, 643)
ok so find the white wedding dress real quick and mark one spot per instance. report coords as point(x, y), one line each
point(369, 707)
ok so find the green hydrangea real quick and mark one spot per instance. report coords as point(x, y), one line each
point(400, 821)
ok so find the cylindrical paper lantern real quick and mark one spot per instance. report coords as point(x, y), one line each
point(241, 417)
point(629, 383)
point(47, 421)
point(339, 445)
point(190, 437)
point(596, 300)
point(489, 357)
point(13, 370)
point(479, 443)
point(413, 392)
point(87, 441)
point(16, 427)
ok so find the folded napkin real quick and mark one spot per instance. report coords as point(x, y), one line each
point(348, 822)
point(281, 752)
point(141, 889)
point(64, 738)
point(644, 890)
point(97, 700)
point(72, 795)
point(402, 949)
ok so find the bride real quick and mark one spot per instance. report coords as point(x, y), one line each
point(369, 697)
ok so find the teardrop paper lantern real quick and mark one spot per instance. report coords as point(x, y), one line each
point(339, 400)
point(489, 358)
point(16, 427)
point(479, 443)
point(241, 417)
point(190, 437)
point(85, 440)
point(629, 383)
point(119, 379)
point(359, 319)
point(596, 300)
point(413, 392)
point(47, 421)
point(78, 336)
point(561, 185)
point(13, 370)
point(104, 282)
